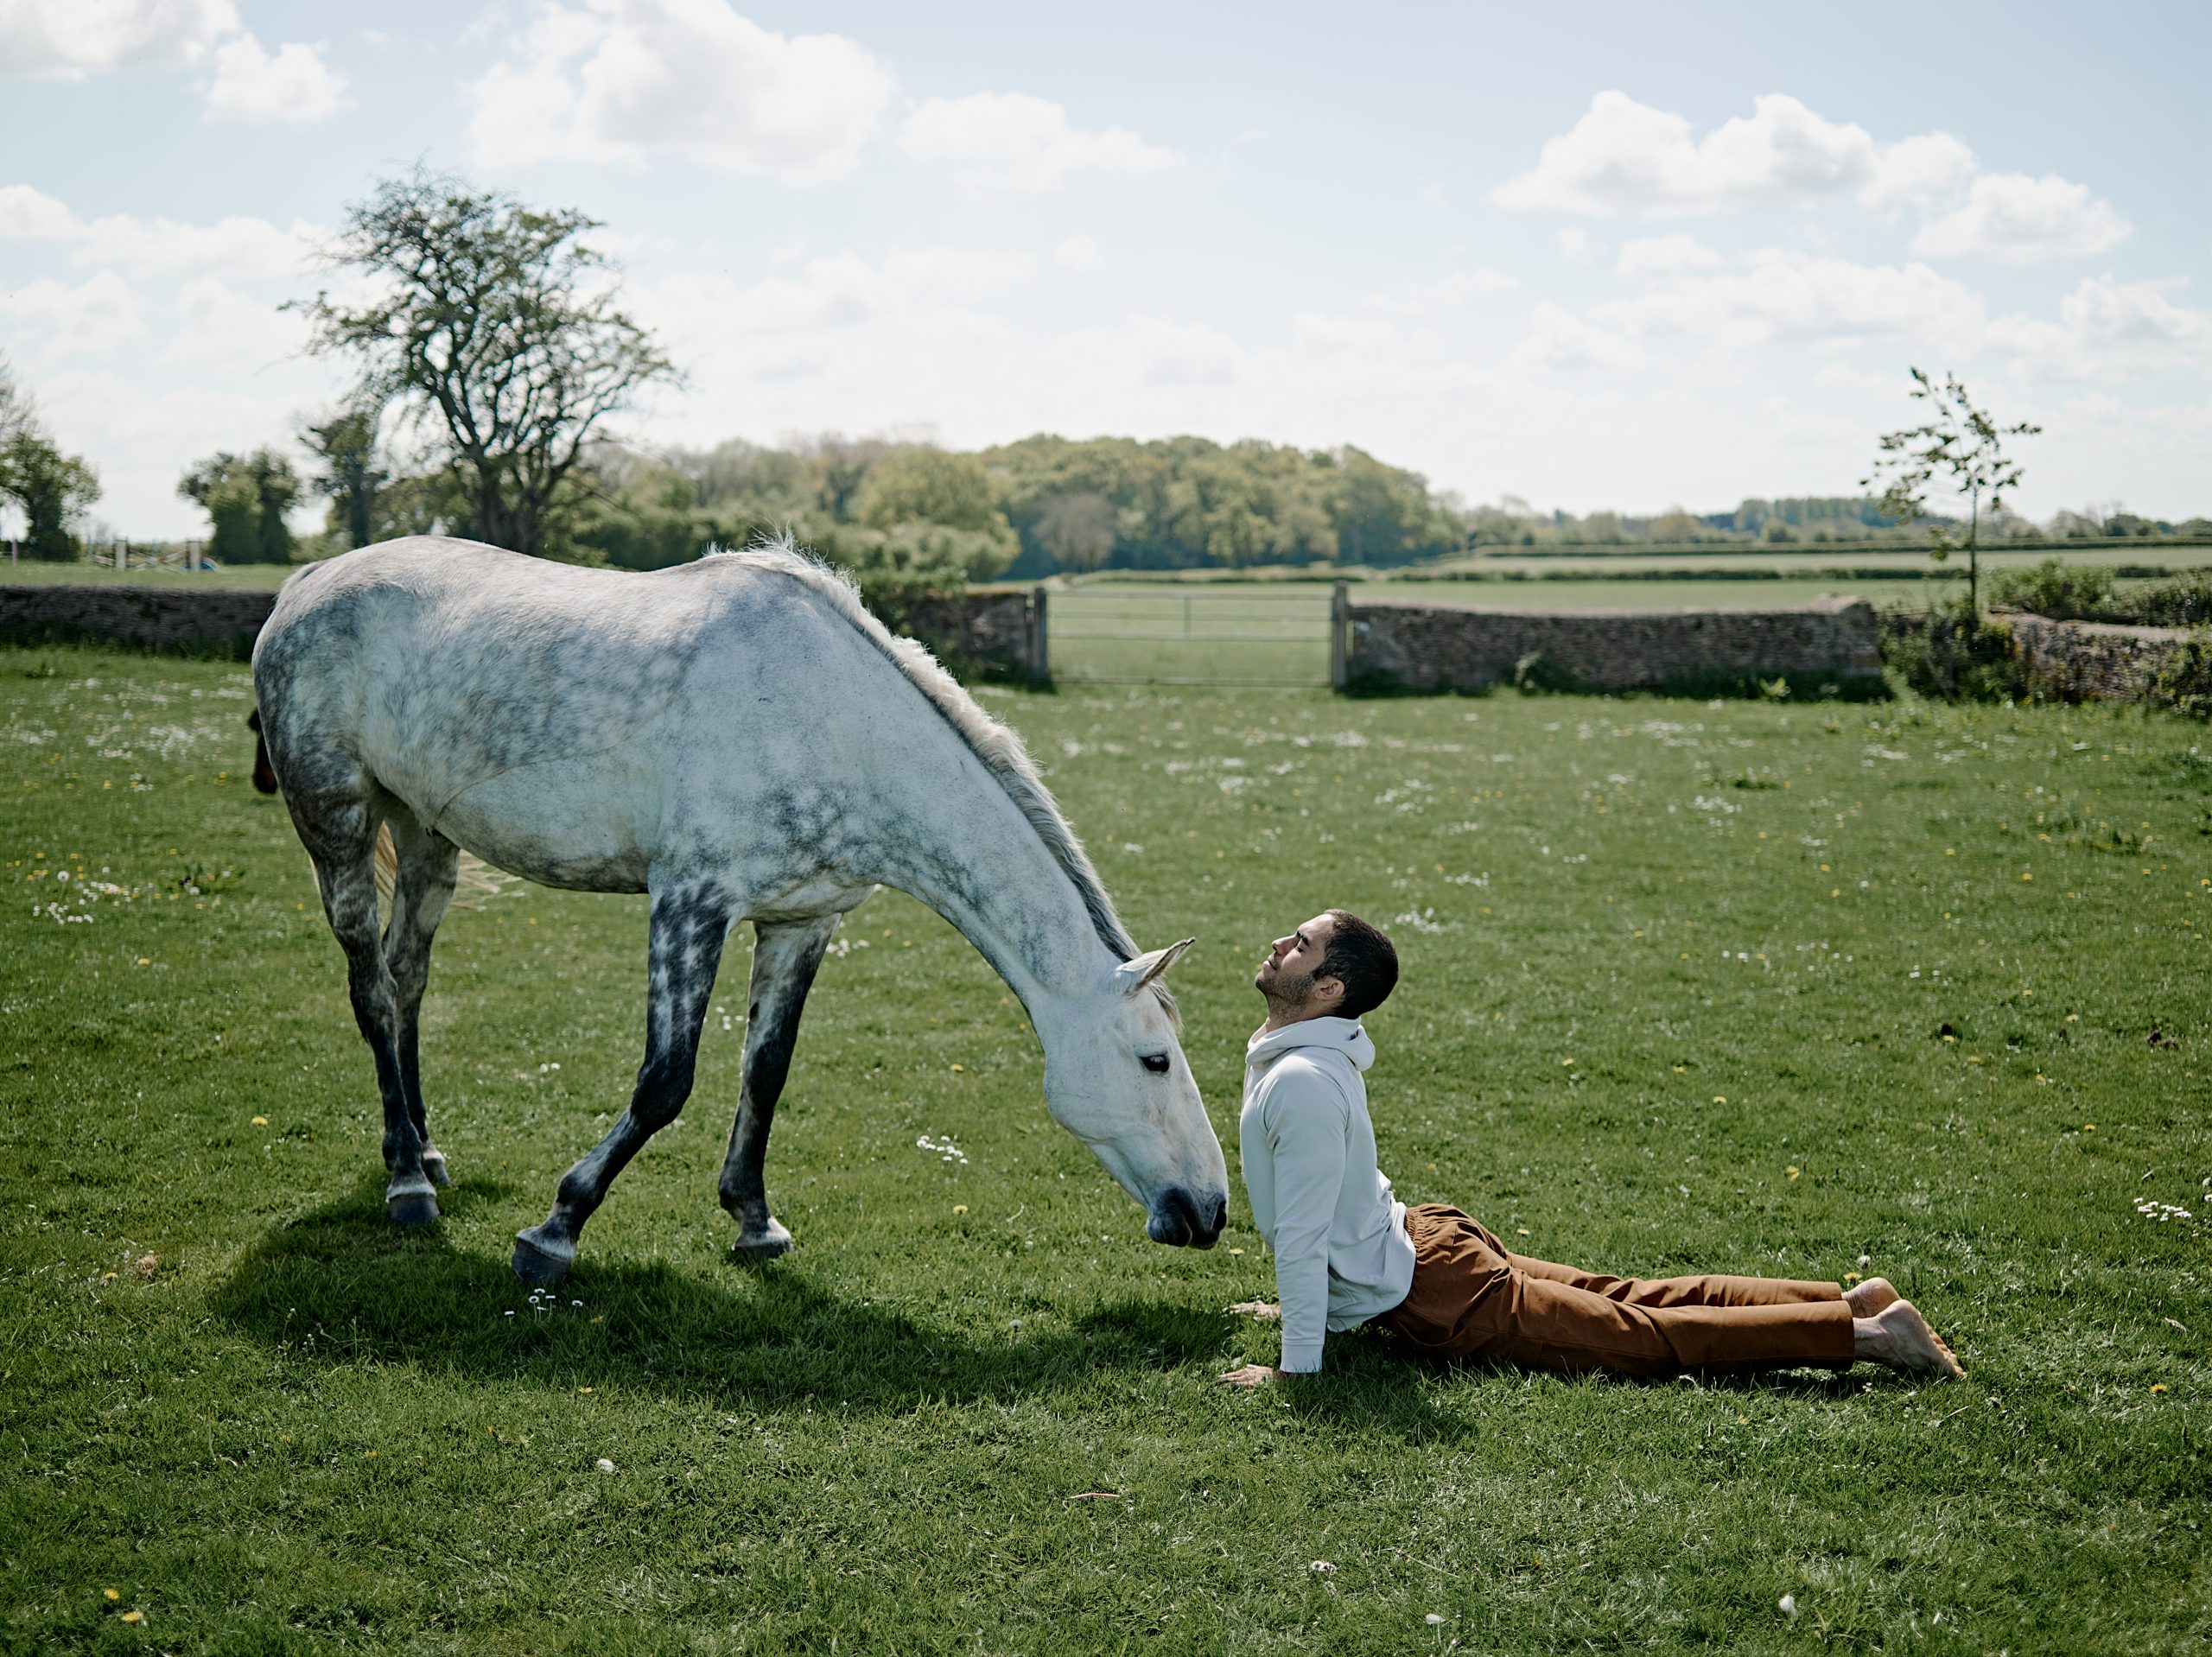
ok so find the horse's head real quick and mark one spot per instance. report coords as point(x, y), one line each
point(1116, 1077)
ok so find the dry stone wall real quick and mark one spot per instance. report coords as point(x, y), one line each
point(995, 629)
point(2095, 661)
point(211, 620)
point(1411, 648)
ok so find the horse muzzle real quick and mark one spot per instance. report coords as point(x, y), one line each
point(1182, 1221)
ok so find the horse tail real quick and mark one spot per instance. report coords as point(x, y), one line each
point(264, 774)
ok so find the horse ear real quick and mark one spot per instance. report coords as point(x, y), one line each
point(1133, 975)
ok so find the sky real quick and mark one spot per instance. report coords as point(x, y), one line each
point(1594, 255)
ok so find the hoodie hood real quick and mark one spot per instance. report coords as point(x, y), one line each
point(1344, 1036)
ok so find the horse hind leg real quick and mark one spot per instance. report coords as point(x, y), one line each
point(340, 836)
point(422, 882)
point(785, 960)
point(689, 926)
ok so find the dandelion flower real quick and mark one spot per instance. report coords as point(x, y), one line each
point(1235, 1251)
point(2159, 1387)
point(110, 1594)
point(960, 1070)
point(1794, 1171)
point(134, 1616)
point(261, 1121)
point(150, 1264)
point(958, 1208)
point(1719, 1098)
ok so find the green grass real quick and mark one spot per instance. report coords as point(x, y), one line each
point(259, 578)
point(1667, 954)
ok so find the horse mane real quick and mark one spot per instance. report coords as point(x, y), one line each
point(1000, 750)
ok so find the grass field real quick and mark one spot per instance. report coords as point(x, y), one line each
point(260, 578)
point(1679, 977)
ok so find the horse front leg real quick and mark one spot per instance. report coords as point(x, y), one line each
point(786, 957)
point(689, 924)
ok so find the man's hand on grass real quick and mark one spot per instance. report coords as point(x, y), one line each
point(1261, 1308)
point(1253, 1375)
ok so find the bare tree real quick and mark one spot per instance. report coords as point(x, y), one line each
point(496, 329)
point(1963, 447)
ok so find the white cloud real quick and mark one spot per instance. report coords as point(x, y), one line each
point(1576, 245)
point(1624, 159)
point(1660, 256)
point(28, 215)
point(2109, 329)
point(86, 318)
point(1815, 299)
point(2016, 218)
point(219, 327)
point(837, 317)
point(1421, 298)
point(1559, 338)
point(238, 246)
point(295, 85)
point(70, 39)
point(614, 81)
point(1010, 141)
point(1933, 167)
point(1078, 253)
point(1150, 351)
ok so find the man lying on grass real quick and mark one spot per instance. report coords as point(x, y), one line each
point(1347, 1252)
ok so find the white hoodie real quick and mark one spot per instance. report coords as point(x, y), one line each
point(1342, 1256)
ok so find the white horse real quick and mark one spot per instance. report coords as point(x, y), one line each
point(741, 739)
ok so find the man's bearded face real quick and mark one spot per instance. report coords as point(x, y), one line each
point(1286, 975)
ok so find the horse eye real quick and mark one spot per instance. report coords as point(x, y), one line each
point(1156, 1062)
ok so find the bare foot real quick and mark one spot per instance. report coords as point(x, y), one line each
point(1867, 1299)
point(1261, 1308)
point(1899, 1337)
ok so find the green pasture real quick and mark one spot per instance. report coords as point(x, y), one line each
point(1796, 989)
point(30, 572)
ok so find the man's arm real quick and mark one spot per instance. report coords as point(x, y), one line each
point(1305, 1133)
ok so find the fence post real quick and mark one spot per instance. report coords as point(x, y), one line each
point(1040, 651)
point(1340, 626)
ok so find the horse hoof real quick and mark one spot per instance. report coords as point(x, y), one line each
point(534, 1265)
point(763, 1245)
point(411, 1208)
point(434, 1165)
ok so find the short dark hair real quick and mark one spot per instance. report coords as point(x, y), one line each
point(1363, 960)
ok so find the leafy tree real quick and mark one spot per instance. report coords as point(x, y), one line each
point(345, 448)
point(1077, 531)
point(1960, 446)
point(839, 466)
point(245, 498)
point(930, 485)
point(496, 330)
point(51, 489)
point(1385, 515)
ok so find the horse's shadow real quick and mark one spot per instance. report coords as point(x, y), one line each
point(340, 1284)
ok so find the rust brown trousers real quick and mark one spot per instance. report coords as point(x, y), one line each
point(1473, 1297)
